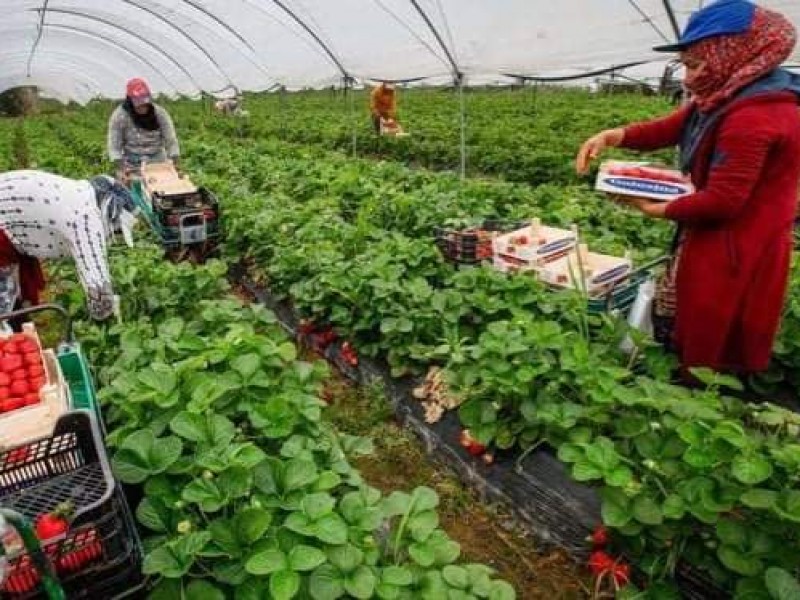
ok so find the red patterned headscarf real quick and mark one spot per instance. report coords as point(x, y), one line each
point(735, 61)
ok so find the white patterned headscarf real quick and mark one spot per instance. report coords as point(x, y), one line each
point(116, 207)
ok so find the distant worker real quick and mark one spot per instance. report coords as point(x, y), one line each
point(383, 105)
point(228, 106)
point(140, 130)
point(47, 216)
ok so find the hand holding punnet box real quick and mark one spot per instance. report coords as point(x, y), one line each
point(642, 180)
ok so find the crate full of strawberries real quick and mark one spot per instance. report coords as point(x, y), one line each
point(32, 389)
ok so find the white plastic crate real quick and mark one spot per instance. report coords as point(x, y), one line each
point(164, 179)
point(36, 421)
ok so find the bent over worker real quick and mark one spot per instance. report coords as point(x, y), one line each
point(47, 216)
point(382, 105)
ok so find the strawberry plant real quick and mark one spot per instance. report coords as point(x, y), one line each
point(694, 476)
point(246, 490)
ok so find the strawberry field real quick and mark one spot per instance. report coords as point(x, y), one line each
point(246, 488)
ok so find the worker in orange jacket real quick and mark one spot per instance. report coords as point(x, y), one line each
point(382, 104)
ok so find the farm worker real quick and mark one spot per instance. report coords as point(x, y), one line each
point(140, 130)
point(382, 104)
point(47, 216)
point(739, 139)
point(229, 106)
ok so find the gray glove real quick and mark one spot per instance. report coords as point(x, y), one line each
point(100, 302)
point(9, 289)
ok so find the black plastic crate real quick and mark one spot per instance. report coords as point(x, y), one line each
point(70, 465)
point(111, 563)
point(472, 245)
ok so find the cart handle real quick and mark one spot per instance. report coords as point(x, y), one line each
point(69, 335)
point(50, 583)
point(643, 268)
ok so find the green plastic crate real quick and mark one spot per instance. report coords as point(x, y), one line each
point(621, 297)
point(79, 379)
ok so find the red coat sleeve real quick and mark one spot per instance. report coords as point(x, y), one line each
point(743, 143)
point(656, 134)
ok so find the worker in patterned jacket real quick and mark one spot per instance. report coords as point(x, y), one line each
point(140, 130)
point(47, 216)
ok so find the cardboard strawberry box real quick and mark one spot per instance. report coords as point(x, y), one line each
point(590, 272)
point(643, 180)
point(530, 247)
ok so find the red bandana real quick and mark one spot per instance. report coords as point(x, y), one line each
point(735, 61)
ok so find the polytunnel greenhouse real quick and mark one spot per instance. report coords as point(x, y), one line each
point(437, 299)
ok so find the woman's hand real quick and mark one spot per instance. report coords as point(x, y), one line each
point(594, 147)
point(651, 208)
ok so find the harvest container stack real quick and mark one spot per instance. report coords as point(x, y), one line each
point(554, 256)
point(56, 480)
point(184, 217)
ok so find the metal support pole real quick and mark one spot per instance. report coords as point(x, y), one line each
point(672, 20)
point(350, 100)
point(463, 111)
point(282, 110)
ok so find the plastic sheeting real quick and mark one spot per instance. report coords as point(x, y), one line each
point(87, 48)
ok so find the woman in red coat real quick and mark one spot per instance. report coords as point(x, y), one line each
point(739, 138)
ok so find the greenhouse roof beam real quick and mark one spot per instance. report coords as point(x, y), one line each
point(649, 19)
point(562, 78)
point(185, 35)
point(453, 64)
point(39, 34)
point(125, 49)
point(145, 41)
point(317, 38)
point(672, 19)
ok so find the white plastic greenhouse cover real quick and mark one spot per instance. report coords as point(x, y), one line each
point(80, 49)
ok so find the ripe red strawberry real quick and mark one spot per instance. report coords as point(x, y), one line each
point(473, 446)
point(600, 563)
point(13, 403)
point(10, 363)
point(599, 537)
point(28, 346)
point(19, 387)
point(32, 358)
point(19, 337)
point(306, 327)
point(349, 354)
point(54, 523)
